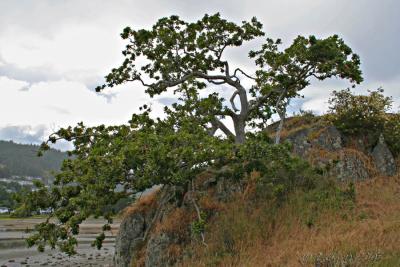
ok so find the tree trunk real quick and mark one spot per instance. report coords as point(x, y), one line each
point(240, 133)
point(282, 114)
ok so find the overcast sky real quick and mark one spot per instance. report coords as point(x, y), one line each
point(53, 53)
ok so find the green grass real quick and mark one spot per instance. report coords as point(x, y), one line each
point(388, 261)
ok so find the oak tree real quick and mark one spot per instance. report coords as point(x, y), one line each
point(175, 53)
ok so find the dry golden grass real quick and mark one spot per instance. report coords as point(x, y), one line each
point(315, 155)
point(210, 204)
point(176, 222)
point(144, 203)
point(282, 238)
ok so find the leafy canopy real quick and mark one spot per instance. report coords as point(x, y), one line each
point(177, 54)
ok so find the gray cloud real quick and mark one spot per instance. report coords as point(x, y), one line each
point(370, 26)
point(24, 134)
point(30, 75)
point(27, 134)
point(167, 101)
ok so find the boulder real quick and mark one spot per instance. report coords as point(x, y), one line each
point(324, 148)
point(129, 237)
point(303, 140)
point(352, 165)
point(328, 138)
point(383, 158)
point(157, 251)
point(300, 141)
point(133, 227)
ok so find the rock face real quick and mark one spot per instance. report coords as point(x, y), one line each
point(324, 148)
point(138, 242)
point(328, 138)
point(130, 236)
point(169, 220)
point(157, 246)
point(304, 140)
point(383, 158)
point(352, 166)
point(300, 141)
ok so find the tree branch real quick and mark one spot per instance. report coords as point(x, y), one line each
point(232, 100)
point(214, 127)
point(245, 74)
point(191, 195)
point(255, 103)
point(223, 128)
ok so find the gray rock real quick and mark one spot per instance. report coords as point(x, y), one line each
point(300, 142)
point(352, 166)
point(345, 164)
point(329, 139)
point(132, 229)
point(157, 247)
point(383, 158)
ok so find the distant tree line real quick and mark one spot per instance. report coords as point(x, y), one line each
point(22, 160)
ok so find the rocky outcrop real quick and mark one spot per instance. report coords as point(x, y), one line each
point(352, 166)
point(169, 221)
point(130, 235)
point(383, 158)
point(325, 149)
point(306, 139)
point(157, 247)
point(300, 141)
point(328, 138)
point(153, 235)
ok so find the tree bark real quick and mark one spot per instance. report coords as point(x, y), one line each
point(282, 116)
point(239, 125)
point(281, 109)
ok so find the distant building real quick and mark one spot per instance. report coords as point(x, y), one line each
point(4, 210)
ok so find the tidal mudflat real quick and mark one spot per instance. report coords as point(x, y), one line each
point(13, 250)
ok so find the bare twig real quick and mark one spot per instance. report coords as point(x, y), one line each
point(198, 213)
point(245, 74)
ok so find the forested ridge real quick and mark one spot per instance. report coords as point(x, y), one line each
point(22, 160)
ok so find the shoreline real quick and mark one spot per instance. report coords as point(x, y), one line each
point(13, 250)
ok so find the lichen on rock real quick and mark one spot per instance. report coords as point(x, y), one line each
point(383, 158)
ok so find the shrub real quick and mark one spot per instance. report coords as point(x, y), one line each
point(359, 114)
point(392, 133)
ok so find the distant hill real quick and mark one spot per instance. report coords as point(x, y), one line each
point(22, 160)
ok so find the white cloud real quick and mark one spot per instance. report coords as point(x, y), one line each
point(75, 53)
point(62, 103)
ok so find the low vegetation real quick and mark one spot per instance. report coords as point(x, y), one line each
point(367, 116)
point(329, 226)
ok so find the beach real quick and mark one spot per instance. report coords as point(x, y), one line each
point(14, 252)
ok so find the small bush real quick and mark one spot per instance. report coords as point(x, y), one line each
point(392, 133)
point(359, 114)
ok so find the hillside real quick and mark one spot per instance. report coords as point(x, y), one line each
point(341, 210)
point(306, 231)
point(22, 160)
